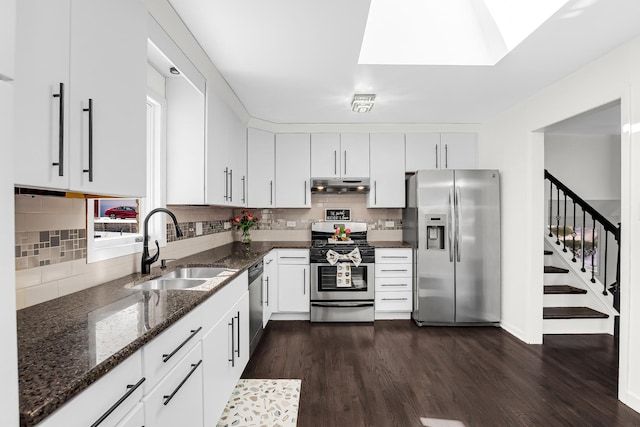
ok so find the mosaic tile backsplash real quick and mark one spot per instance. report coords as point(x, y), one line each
point(39, 248)
point(189, 229)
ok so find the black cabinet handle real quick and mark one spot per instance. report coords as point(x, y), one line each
point(436, 156)
point(267, 291)
point(394, 299)
point(231, 185)
point(345, 162)
point(233, 343)
point(238, 332)
point(90, 111)
point(402, 269)
point(305, 192)
point(335, 162)
point(446, 157)
point(304, 282)
point(395, 256)
point(168, 398)
point(271, 193)
point(60, 162)
point(393, 284)
point(132, 388)
point(244, 196)
point(166, 357)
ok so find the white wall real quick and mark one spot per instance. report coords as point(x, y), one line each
point(507, 142)
point(585, 164)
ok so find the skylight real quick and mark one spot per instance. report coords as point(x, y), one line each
point(450, 32)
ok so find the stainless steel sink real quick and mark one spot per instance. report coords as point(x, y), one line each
point(194, 273)
point(164, 284)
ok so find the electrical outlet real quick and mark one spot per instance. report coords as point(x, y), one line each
point(291, 223)
point(227, 225)
point(198, 229)
point(389, 224)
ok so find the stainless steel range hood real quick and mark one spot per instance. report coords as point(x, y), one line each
point(340, 186)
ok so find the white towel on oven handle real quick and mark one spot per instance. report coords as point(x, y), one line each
point(354, 256)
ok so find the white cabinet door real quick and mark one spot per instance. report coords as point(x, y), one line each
point(293, 288)
point(41, 149)
point(261, 161)
point(270, 287)
point(238, 163)
point(135, 418)
point(293, 170)
point(7, 35)
point(226, 353)
point(422, 151)
point(459, 151)
point(185, 142)
point(103, 141)
point(177, 400)
point(218, 168)
point(113, 151)
point(387, 171)
point(325, 155)
point(354, 150)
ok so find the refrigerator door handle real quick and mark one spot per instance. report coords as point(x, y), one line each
point(456, 205)
point(450, 225)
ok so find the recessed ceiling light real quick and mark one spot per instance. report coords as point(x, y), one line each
point(174, 70)
point(362, 103)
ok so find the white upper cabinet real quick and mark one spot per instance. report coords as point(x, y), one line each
point(293, 170)
point(325, 155)
point(7, 35)
point(354, 148)
point(226, 154)
point(441, 151)
point(80, 119)
point(459, 151)
point(185, 142)
point(261, 171)
point(387, 171)
point(340, 155)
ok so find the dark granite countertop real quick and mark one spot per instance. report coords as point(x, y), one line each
point(389, 244)
point(66, 344)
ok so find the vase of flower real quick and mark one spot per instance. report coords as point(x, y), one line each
point(245, 222)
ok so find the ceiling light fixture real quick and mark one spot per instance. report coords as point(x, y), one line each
point(362, 103)
point(174, 70)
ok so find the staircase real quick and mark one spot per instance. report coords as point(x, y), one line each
point(570, 305)
point(582, 265)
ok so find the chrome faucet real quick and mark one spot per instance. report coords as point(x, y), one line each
point(145, 265)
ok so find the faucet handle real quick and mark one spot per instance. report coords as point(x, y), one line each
point(163, 262)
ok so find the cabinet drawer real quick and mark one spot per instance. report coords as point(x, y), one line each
point(293, 256)
point(393, 284)
point(394, 256)
point(101, 398)
point(219, 303)
point(394, 301)
point(177, 400)
point(165, 351)
point(394, 270)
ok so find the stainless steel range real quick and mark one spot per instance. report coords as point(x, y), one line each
point(342, 274)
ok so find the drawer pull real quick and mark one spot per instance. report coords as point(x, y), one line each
point(293, 257)
point(395, 256)
point(394, 299)
point(168, 398)
point(166, 357)
point(404, 269)
point(132, 388)
point(393, 284)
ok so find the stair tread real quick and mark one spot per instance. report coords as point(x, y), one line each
point(553, 269)
point(562, 289)
point(548, 252)
point(572, 313)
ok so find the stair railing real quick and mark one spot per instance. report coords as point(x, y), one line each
point(596, 218)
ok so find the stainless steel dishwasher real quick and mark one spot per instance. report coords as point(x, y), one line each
point(255, 304)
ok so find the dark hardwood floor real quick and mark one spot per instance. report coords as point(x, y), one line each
point(392, 373)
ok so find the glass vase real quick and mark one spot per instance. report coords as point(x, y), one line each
point(246, 237)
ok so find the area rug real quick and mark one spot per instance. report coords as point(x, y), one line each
point(437, 422)
point(263, 403)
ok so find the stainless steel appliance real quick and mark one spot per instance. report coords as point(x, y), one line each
point(255, 305)
point(452, 219)
point(333, 298)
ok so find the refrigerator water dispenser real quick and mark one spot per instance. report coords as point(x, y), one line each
point(435, 232)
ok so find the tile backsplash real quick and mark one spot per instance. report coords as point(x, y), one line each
point(38, 248)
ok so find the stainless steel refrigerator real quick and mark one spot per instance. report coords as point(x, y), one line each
point(452, 219)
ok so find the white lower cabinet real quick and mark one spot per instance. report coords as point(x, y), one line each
point(101, 401)
point(226, 353)
point(135, 418)
point(294, 283)
point(177, 399)
point(269, 287)
point(393, 279)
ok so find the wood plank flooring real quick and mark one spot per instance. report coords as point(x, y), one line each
point(392, 373)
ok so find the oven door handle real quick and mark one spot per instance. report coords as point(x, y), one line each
point(342, 304)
